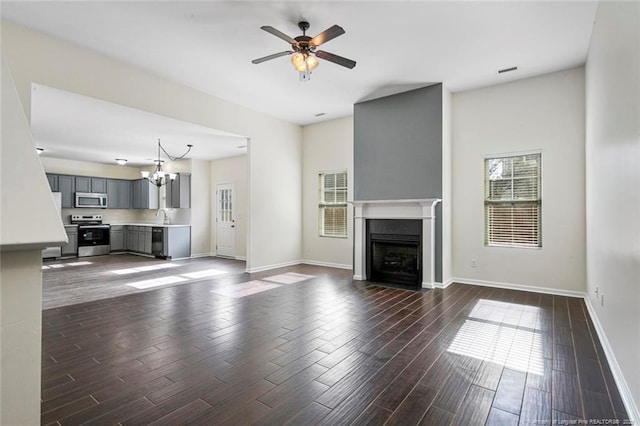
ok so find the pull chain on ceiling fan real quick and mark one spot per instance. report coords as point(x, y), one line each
point(304, 49)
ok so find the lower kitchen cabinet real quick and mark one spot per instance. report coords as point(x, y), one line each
point(71, 248)
point(136, 239)
point(117, 237)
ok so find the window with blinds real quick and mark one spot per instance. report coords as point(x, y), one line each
point(333, 204)
point(513, 201)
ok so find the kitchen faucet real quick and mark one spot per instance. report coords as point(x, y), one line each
point(166, 219)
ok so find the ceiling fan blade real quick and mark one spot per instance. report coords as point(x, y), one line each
point(269, 57)
point(278, 34)
point(335, 59)
point(327, 35)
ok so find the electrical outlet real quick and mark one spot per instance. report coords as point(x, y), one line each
point(474, 263)
point(602, 300)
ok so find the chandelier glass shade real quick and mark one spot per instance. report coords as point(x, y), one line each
point(159, 177)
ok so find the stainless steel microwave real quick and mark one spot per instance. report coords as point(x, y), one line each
point(92, 200)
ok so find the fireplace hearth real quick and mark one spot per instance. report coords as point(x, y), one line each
point(394, 251)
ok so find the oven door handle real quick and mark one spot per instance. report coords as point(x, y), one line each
point(94, 227)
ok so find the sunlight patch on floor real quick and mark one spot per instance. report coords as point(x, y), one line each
point(156, 282)
point(289, 278)
point(244, 289)
point(62, 265)
point(145, 268)
point(501, 333)
point(203, 274)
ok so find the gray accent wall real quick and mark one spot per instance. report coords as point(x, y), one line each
point(398, 146)
point(398, 151)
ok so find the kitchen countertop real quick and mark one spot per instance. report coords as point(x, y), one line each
point(158, 225)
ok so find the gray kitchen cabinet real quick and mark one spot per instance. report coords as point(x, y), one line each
point(71, 248)
point(144, 195)
point(117, 236)
point(67, 187)
point(98, 185)
point(178, 192)
point(145, 240)
point(132, 238)
point(118, 194)
point(91, 184)
point(129, 238)
point(179, 243)
point(83, 184)
point(53, 182)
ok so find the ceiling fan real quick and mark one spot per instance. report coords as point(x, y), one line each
point(304, 49)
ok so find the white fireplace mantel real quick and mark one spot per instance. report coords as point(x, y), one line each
point(423, 209)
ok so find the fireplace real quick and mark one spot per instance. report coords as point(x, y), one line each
point(394, 251)
point(421, 214)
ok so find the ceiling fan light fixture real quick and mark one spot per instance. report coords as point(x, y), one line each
point(304, 62)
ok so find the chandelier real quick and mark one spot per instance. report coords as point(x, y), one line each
point(159, 178)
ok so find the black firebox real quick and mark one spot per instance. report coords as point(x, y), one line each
point(394, 251)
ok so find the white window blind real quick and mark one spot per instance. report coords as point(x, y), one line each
point(513, 201)
point(333, 204)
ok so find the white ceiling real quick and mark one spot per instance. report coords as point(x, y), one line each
point(76, 127)
point(209, 45)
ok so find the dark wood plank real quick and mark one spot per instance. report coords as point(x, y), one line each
point(475, 407)
point(536, 407)
point(510, 391)
point(414, 406)
point(436, 416)
point(498, 417)
point(566, 394)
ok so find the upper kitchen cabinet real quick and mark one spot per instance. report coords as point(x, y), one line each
point(119, 193)
point(64, 184)
point(67, 186)
point(145, 195)
point(91, 184)
point(53, 182)
point(178, 193)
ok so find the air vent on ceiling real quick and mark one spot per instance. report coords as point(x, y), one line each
point(507, 70)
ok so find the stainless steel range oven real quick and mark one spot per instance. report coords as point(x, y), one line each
point(93, 235)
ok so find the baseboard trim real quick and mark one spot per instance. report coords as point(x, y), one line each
point(243, 258)
point(523, 287)
point(327, 264)
point(274, 266)
point(195, 256)
point(625, 392)
point(443, 285)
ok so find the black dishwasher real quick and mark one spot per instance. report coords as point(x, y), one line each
point(157, 242)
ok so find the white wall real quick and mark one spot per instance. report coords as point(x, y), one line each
point(20, 337)
point(447, 187)
point(28, 223)
point(231, 170)
point(200, 208)
point(613, 184)
point(544, 113)
point(326, 146)
point(34, 57)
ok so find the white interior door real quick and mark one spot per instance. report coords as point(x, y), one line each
point(225, 221)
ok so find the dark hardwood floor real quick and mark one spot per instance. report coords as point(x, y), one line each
point(320, 348)
point(77, 280)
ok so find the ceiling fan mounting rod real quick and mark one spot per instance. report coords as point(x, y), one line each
point(304, 26)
